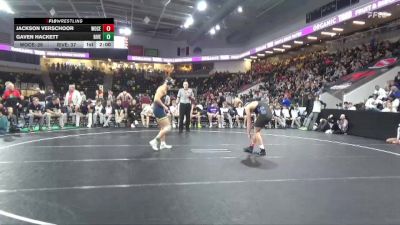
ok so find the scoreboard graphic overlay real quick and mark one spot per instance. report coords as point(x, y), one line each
point(64, 33)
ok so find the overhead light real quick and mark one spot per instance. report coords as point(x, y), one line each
point(286, 46)
point(312, 38)
point(328, 33)
point(337, 29)
point(253, 57)
point(217, 27)
point(359, 22)
point(261, 55)
point(240, 9)
point(269, 52)
point(279, 49)
point(5, 7)
point(202, 5)
point(212, 31)
point(298, 42)
point(146, 20)
point(126, 31)
point(189, 22)
point(246, 59)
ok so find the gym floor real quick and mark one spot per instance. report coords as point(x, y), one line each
point(111, 176)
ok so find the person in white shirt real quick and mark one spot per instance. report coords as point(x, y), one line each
point(351, 107)
point(73, 101)
point(371, 103)
point(395, 104)
point(312, 118)
point(98, 112)
point(296, 119)
point(108, 114)
point(225, 114)
point(285, 115)
point(278, 117)
point(380, 92)
point(387, 106)
point(240, 115)
point(145, 115)
point(174, 110)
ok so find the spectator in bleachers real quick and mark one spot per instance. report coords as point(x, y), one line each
point(12, 101)
point(119, 112)
point(239, 115)
point(278, 117)
point(213, 113)
point(108, 112)
point(397, 80)
point(196, 115)
point(146, 113)
point(313, 116)
point(100, 93)
point(372, 103)
point(343, 125)
point(380, 92)
point(36, 111)
point(53, 110)
point(133, 114)
point(98, 112)
point(225, 115)
point(3, 120)
point(174, 112)
point(125, 99)
point(73, 101)
point(295, 115)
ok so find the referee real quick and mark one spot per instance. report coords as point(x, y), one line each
point(184, 98)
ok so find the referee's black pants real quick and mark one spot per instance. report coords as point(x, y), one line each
point(184, 110)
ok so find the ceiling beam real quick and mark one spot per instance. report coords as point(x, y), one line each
point(73, 8)
point(42, 7)
point(159, 18)
point(102, 8)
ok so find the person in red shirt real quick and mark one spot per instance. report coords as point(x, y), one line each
point(12, 98)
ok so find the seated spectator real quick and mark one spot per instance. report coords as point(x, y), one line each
point(36, 112)
point(196, 114)
point(239, 115)
point(295, 114)
point(133, 113)
point(387, 107)
point(174, 112)
point(286, 115)
point(119, 112)
point(343, 125)
point(145, 115)
point(372, 103)
point(100, 93)
point(397, 80)
point(225, 115)
point(380, 92)
point(72, 102)
point(278, 117)
point(108, 112)
point(213, 113)
point(3, 120)
point(98, 112)
point(53, 110)
point(351, 107)
point(87, 109)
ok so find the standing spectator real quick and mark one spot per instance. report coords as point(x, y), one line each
point(35, 111)
point(73, 101)
point(316, 110)
point(12, 99)
point(53, 110)
point(125, 99)
point(184, 98)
